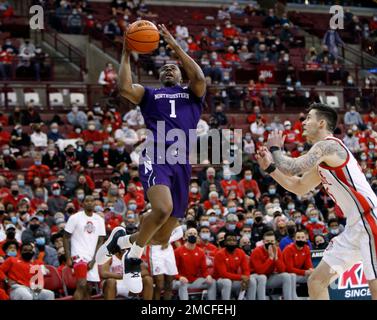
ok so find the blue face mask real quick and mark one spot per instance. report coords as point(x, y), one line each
point(218, 212)
point(249, 221)
point(204, 223)
point(212, 219)
point(21, 183)
point(334, 231)
point(271, 191)
point(248, 178)
point(12, 253)
point(232, 210)
point(106, 147)
point(41, 219)
point(231, 227)
point(40, 241)
point(205, 236)
point(132, 206)
point(131, 216)
point(250, 195)
point(98, 209)
point(14, 220)
point(313, 219)
point(298, 221)
point(37, 163)
point(227, 177)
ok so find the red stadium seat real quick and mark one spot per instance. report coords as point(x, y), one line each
point(69, 280)
point(53, 281)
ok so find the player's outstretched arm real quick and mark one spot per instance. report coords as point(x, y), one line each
point(194, 72)
point(127, 89)
point(328, 151)
point(298, 185)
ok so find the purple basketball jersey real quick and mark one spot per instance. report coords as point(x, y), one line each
point(177, 107)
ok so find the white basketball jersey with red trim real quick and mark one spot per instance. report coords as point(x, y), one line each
point(348, 187)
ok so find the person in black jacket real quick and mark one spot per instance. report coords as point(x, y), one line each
point(30, 115)
point(259, 227)
point(119, 155)
point(19, 138)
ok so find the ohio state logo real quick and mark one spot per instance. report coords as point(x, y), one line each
point(90, 228)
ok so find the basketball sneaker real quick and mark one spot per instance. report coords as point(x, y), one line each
point(110, 246)
point(132, 273)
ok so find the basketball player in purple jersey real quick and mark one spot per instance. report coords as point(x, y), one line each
point(166, 185)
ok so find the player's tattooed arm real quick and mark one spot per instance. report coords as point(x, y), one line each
point(317, 154)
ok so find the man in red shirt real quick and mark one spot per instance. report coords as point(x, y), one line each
point(192, 268)
point(232, 270)
point(19, 274)
point(14, 197)
point(297, 258)
point(228, 184)
point(268, 260)
point(248, 185)
point(38, 170)
point(209, 249)
point(91, 134)
point(134, 194)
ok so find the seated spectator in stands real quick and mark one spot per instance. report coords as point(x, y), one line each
point(181, 30)
point(14, 197)
point(38, 138)
point(109, 79)
point(10, 236)
point(6, 59)
point(111, 29)
point(289, 238)
point(230, 31)
point(52, 159)
point(192, 268)
point(4, 136)
point(320, 242)
point(228, 184)
point(19, 138)
point(291, 135)
point(271, 20)
point(210, 179)
point(9, 45)
point(259, 227)
point(74, 22)
point(280, 227)
point(54, 134)
point(30, 115)
point(38, 169)
point(134, 195)
point(223, 13)
point(18, 275)
point(134, 117)
point(231, 220)
point(231, 57)
point(9, 248)
point(77, 117)
point(119, 154)
point(34, 225)
point(325, 53)
point(268, 260)
point(91, 134)
point(311, 57)
point(297, 258)
point(257, 128)
point(39, 61)
point(8, 158)
point(127, 135)
point(352, 117)
point(56, 202)
point(352, 142)
point(248, 184)
point(119, 7)
point(248, 145)
point(314, 226)
point(43, 252)
point(23, 188)
point(334, 229)
point(205, 244)
point(27, 45)
point(86, 157)
point(232, 271)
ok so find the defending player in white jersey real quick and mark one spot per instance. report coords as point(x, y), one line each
point(330, 162)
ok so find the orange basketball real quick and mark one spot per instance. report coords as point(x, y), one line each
point(142, 36)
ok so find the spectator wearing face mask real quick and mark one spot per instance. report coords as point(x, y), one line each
point(289, 238)
point(38, 170)
point(9, 249)
point(44, 253)
point(91, 134)
point(210, 179)
point(258, 227)
point(192, 268)
point(334, 229)
point(10, 231)
point(29, 234)
point(17, 274)
point(54, 134)
point(250, 185)
point(314, 226)
point(56, 202)
point(204, 243)
point(194, 194)
point(231, 221)
point(352, 117)
point(248, 145)
point(19, 138)
point(77, 117)
point(134, 199)
point(297, 258)
point(232, 271)
point(14, 197)
point(52, 159)
point(268, 260)
point(320, 242)
point(228, 184)
point(119, 155)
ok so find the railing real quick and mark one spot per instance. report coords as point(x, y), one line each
point(73, 54)
point(238, 102)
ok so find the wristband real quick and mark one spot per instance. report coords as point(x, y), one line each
point(274, 148)
point(271, 168)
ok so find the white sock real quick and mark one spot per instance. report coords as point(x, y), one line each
point(124, 242)
point(136, 251)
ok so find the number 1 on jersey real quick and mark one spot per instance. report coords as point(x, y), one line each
point(172, 107)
